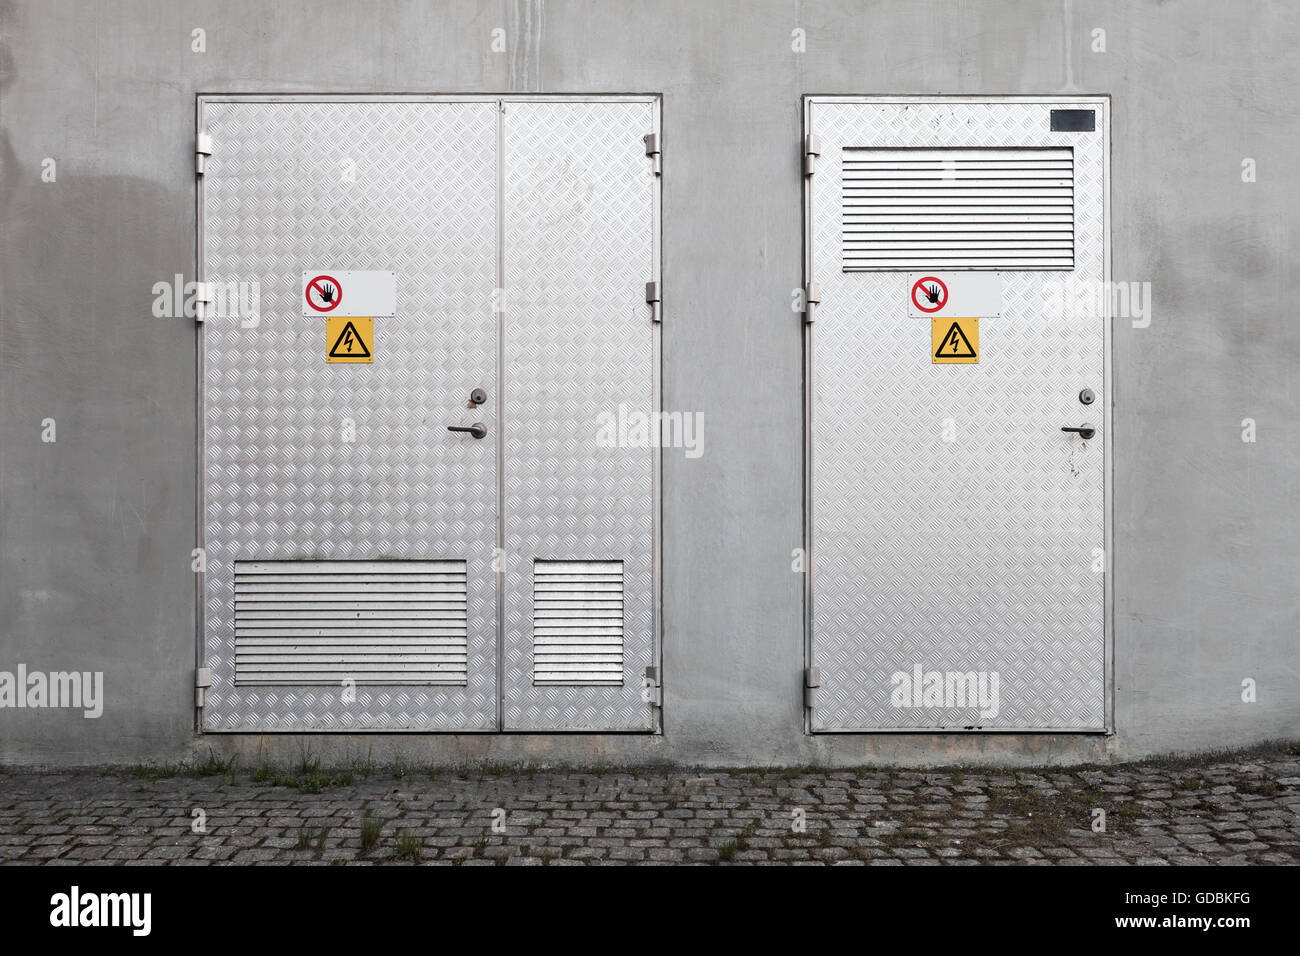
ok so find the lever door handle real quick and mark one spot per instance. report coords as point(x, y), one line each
point(1084, 431)
point(478, 429)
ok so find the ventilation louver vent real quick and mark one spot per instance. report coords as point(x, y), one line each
point(933, 209)
point(376, 622)
point(578, 622)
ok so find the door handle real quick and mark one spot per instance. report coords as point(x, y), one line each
point(478, 429)
point(1084, 431)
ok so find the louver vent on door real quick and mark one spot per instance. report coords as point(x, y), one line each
point(932, 209)
point(578, 622)
point(376, 622)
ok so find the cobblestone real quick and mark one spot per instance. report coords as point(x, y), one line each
point(1163, 813)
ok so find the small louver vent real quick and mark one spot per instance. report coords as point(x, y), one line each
point(932, 209)
point(376, 622)
point(578, 622)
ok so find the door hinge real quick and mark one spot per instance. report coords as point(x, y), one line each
point(812, 148)
point(652, 150)
point(652, 297)
point(812, 682)
point(202, 296)
point(202, 681)
point(654, 691)
point(202, 150)
point(812, 294)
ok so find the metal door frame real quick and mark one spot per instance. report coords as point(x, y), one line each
point(809, 276)
point(656, 598)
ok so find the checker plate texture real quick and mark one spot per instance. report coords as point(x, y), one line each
point(280, 483)
point(579, 342)
point(974, 554)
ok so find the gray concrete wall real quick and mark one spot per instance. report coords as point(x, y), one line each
point(96, 529)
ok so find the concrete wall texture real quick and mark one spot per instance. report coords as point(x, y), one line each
point(97, 528)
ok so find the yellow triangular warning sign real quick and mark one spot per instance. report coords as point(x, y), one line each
point(349, 337)
point(956, 343)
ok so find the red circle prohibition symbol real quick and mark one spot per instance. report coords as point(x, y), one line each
point(922, 301)
point(338, 293)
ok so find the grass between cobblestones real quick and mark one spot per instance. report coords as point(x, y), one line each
point(1242, 807)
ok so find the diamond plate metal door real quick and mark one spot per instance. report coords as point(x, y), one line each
point(340, 464)
point(956, 533)
point(580, 208)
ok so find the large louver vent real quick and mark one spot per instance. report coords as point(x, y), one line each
point(375, 622)
point(578, 622)
point(932, 209)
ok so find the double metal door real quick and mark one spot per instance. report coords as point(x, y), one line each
point(432, 536)
point(958, 530)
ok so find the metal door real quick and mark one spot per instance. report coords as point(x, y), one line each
point(580, 346)
point(359, 553)
point(957, 535)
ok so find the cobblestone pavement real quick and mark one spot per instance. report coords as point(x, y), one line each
point(1232, 811)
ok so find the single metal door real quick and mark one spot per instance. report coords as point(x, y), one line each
point(957, 533)
point(348, 534)
point(580, 350)
point(396, 508)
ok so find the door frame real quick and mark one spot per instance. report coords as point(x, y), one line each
point(809, 101)
point(656, 598)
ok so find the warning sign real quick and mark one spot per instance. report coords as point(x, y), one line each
point(330, 291)
point(955, 341)
point(324, 293)
point(954, 293)
point(929, 294)
point(349, 340)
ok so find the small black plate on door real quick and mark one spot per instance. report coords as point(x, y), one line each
point(1074, 121)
